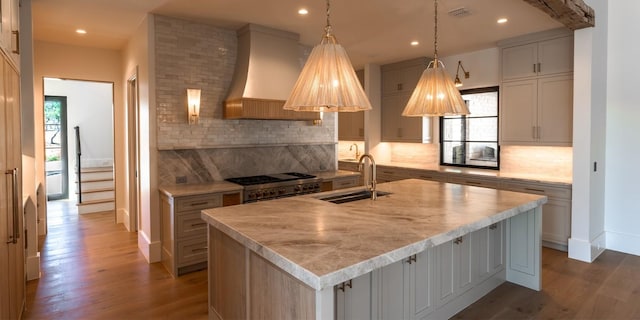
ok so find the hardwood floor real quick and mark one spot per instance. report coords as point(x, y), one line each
point(608, 288)
point(92, 269)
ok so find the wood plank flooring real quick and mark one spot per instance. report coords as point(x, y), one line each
point(92, 269)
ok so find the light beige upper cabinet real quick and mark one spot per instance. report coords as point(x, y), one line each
point(542, 58)
point(537, 93)
point(351, 124)
point(10, 29)
point(398, 82)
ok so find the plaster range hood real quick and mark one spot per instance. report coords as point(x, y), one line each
point(268, 64)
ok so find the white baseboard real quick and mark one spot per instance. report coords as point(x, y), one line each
point(152, 251)
point(33, 267)
point(587, 251)
point(623, 242)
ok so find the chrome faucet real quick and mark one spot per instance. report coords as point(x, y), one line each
point(371, 183)
point(357, 153)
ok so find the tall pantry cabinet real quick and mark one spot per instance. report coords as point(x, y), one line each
point(12, 235)
point(537, 90)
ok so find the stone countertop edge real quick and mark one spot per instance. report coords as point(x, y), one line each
point(483, 173)
point(183, 190)
point(320, 282)
point(330, 175)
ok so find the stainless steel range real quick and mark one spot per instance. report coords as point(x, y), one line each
point(273, 186)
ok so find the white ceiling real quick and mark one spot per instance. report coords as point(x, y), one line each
point(376, 31)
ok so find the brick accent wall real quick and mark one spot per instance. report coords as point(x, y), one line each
point(196, 55)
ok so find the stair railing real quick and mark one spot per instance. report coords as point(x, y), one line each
point(78, 166)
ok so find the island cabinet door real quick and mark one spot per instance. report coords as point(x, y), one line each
point(454, 269)
point(353, 298)
point(488, 250)
point(404, 288)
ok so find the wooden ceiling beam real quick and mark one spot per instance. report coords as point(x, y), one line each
point(574, 14)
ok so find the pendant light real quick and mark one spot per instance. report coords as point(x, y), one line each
point(435, 94)
point(328, 82)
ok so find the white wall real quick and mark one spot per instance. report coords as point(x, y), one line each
point(139, 54)
point(622, 212)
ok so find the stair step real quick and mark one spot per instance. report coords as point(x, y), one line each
point(99, 195)
point(96, 206)
point(95, 185)
point(95, 180)
point(95, 169)
point(96, 190)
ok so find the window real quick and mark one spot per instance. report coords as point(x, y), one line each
point(472, 140)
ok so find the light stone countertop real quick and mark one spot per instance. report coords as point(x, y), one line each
point(323, 244)
point(330, 175)
point(523, 177)
point(183, 190)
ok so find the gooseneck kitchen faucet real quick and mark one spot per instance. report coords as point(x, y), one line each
point(371, 182)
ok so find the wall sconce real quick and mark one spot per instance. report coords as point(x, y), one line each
point(193, 105)
point(319, 122)
point(457, 81)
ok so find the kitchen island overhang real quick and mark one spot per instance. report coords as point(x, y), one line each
point(322, 244)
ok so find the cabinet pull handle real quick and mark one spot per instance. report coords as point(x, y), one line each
point(493, 226)
point(478, 183)
point(412, 259)
point(426, 177)
point(539, 69)
point(534, 68)
point(399, 132)
point(458, 240)
point(345, 284)
point(538, 134)
point(15, 232)
point(17, 34)
point(199, 249)
point(399, 86)
point(199, 203)
point(533, 189)
point(198, 224)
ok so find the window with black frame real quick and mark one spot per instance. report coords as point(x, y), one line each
point(472, 140)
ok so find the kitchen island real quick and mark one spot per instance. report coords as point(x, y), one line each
point(303, 257)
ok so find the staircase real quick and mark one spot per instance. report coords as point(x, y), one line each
point(98, 193)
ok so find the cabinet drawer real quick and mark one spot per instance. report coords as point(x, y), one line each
point(551, 192)
point(190, 224)
point(191, 251)
point(477, 182)
point(342, 183)
point(198, 202)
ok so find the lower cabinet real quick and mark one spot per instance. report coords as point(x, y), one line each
point(353, 298)
point(556, 213)
point(184, 233)
point(430, 284)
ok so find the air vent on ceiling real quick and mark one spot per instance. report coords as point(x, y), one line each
point(459, 12)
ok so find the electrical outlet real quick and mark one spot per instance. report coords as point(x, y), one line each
point(181, 179)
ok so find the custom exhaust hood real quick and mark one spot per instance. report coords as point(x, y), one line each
point(268, 64)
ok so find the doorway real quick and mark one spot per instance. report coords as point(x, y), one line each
point(85, 107)
point(133, 119)
point(55, 144)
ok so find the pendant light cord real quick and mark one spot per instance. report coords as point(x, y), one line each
point(435, 37)
point(327, 28)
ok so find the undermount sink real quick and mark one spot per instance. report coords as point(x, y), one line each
point(353, 196)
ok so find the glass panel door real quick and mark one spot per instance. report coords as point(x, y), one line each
point(55, 136)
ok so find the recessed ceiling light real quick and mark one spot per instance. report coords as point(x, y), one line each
point(81, 31)
point(303, 12)
point(415, 43)
point(502, 20)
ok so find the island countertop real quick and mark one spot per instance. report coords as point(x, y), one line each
point(323, 244)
